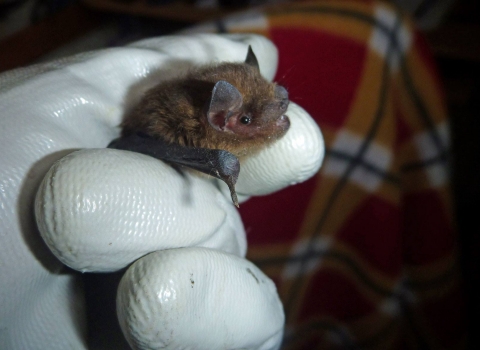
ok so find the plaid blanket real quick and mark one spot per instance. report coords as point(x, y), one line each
point(364, 255)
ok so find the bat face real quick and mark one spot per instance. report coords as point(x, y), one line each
point(245, 111)
point(247, 118)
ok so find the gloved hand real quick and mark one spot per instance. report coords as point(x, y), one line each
point(102, 209)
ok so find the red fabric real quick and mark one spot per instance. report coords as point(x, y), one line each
point(320, 70)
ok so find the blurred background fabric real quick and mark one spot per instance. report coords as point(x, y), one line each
point(365, 255)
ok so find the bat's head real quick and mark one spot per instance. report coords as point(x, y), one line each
point(245, 110)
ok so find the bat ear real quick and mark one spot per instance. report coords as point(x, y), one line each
point(226, 99)
point(251, 59)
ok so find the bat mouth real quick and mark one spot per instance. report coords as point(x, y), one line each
point(283, 123)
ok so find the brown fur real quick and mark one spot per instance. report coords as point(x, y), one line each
point(176, 110)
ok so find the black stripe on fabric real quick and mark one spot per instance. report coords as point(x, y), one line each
point(387, 176)
point(423, 112)
point(374, 340)
point(414, 328)
point(434, 283)
point(437, 282)
point(413, 166)
point(424, 7)
point(343, 180)
point(302, 333)
point(347, 342)
point(331, 255)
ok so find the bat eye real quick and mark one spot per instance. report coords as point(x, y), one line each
point(245, 120)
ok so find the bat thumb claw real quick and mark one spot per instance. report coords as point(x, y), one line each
point(230, 181)
point(235, 200)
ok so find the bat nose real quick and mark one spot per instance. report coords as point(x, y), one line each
point(284, 105)
point(281, 93)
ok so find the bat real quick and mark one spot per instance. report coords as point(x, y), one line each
point(208, 119)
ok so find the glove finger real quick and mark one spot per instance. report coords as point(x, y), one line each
point(101, 209)
point(196, 298)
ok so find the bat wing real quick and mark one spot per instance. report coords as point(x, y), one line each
point(218, 163)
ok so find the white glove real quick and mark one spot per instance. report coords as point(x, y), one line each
point(102, 209)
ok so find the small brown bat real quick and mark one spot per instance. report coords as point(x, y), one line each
point(207, 118)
